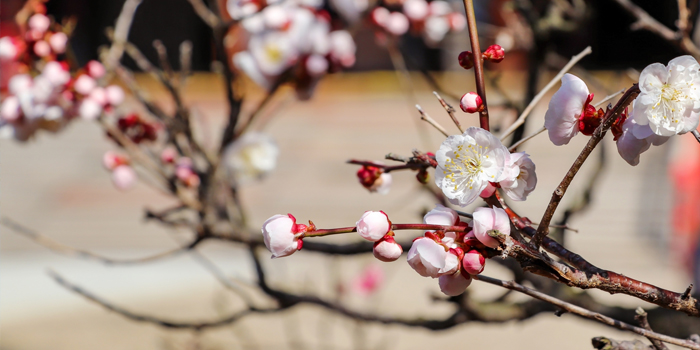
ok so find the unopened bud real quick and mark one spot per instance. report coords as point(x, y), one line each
point(473, 262)
point(455, 284)
point(386, 249)
point(471, 103)
point(373, 225)
point(495, 53)
point(423, 176)
point(590, 119)
point(466, 59)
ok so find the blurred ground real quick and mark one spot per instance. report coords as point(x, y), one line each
point(56, 185)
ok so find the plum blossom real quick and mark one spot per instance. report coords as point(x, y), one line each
point(471, 103)
point(467, 163)
point(374, 179)
point(386, 249)
point(441, 215)
point(489, 219)
point(636, 139)
point(473, 262)
point(373, 225)
point(669, 101)
point(565, 108)
point(432, 259)
point(282, 235)
point(124, 177)
point(454, 284)
point(251, 157)
point(369, 281)
point(350, 9)
point(518, 178)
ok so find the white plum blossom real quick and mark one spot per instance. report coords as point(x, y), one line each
point(280, 236)
point(373, 225)
point(487, 219)
point(441, 215)
point(124, 177)
point(565, 108)
point(416, 10)
point(58, 42)
point(251, 157)
point(350, 9)
point(467, 163)
point(669, 101)
point(518, 178)
point(397, 23)
point(454, 284)
point(427, 257)
point(636, 139)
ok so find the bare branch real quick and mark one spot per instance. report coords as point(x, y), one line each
point(450, 110)
point(696, 134)
point(209, 17)
point(641, 317)
point(121, 33)
point(425, 117)
point(517, 144)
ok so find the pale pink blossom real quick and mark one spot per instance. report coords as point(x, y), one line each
point(431, 259)
point(20, 83)
point(238, 9)
point(637, 139)
point(316, 65)
point(342, 47)
point(251, 157)
point(114, 95)
point(454, 284)
point(124, 177)
point(488, 219)
point(383, 184)
point(441, 215)
point(467, 163)
point(565, 108)
point(396, 23)
point(95, 69)
point(518, 179)
point(669, 101)
point(56, 74)
point(380, 16)
point(275, 17)
point(281, 235)
point(39, 22)
point(457, 22)
point(58, 42)
point(386, 249)
point(440, 8)
point(471, 102)
point(52, 118)
point(10, 111)
point(89, 109)
point(435, 30)
point(8, 49)
point(84, 84)
point(373, 225)
point(42, 48)
point(416, 10)
point(473, 262)
point(350, 9)
point(369, 281)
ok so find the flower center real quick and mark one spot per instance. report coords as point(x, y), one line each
point(273, 52)
point(468, 163)
point(670, 104)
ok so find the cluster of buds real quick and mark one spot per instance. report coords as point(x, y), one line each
point(137, 129)
point(184, 172)
point(39, 41)
point(123, 175)
point(431, 20)
point(375, 226)
point(93, 98)
point(291, 41)
point(283, 236)
point(493, 53)
point(374, 179)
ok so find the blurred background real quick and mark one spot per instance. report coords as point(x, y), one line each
point(642, 221)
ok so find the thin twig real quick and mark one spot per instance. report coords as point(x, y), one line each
point(641, 317)
point(209, 17)
point(63, 249)
point(478, 62)
point(450, 110)
point(425, 117)
point(696, 134)
point(540, 95)
point(577, 310)
point(558, 194)
point(121, 33)
point(517, 144)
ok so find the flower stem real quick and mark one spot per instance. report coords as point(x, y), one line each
point(478, 63)
point(395, 227)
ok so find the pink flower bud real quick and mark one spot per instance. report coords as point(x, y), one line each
point(279, 236)
point(380, 16)
point(89, 109)
point(386, 249)
point(84, 84)
point(39, 22)
point(42, 48)
point(373, 225)
point(95, 69)
point(396, 24)
point(471, 103)
point(114, 95)
point(416, 10)
point(9, 111)
point(316, 65)
point(466, 59)
point(473, 262)
point(168, 155)
point(488, 219)
point(111, 160)
point(494, 53)
point(58, 42)
point(123, 177)
point(454, 284)
point(441, 215)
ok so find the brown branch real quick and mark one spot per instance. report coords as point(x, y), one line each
point(450, 110)
point(604, 343)
point(63, 249)
point(121, 33)
point(425, 117)
point(610, 117)
point(696, 134)
point(478, 62)
point(577, 310)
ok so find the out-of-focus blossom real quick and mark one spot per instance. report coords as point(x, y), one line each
point(10, 48)
point(89, 109)
point(124, 177)
point(250, 157)
point(95, 69)
point(111, 160)
point(369, 281)
point(10, 109)
point(396, 23)
point(416, 10)
point(168, 155)
point(114, 95)
point(84, 84)
point(519, 177)
point(58, 42)
point(42, 48)
point(373, 225)
point(490, 219)
point(39, 22)
point(669, 101)
point(454, 284)
point(238, 9)
point(351, 10)
point(467, 163)
point(565, 109)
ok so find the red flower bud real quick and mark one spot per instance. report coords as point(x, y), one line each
point(471, 103)
point(466, 59)
point(495, 53)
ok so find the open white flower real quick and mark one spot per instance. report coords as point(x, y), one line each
point(565, 108)
point(431, 259)
point(251, 156)
point(635, 140)
point(669, 100)
point(466, 164)
point(488, 219)
point(519, 178)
